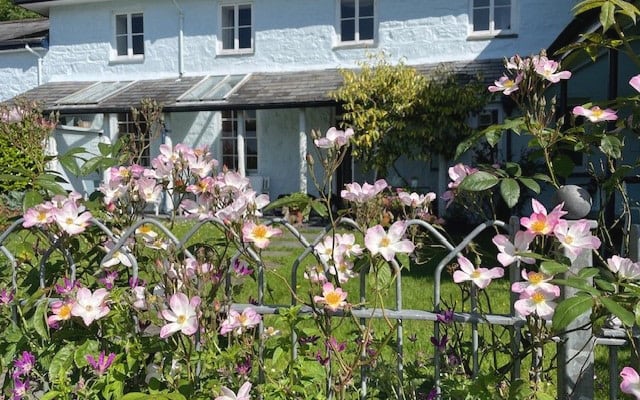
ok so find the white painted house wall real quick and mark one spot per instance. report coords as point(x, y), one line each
point(289, 35)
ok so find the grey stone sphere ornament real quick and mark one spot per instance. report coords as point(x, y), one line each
point(577, 201)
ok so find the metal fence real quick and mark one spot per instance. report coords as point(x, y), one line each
point(575, 352)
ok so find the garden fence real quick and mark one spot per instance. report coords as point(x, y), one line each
point(575, 350)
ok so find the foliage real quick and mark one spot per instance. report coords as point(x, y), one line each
point(10, 12)
point(395, 110)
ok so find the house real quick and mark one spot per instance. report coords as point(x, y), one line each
point(251, 78)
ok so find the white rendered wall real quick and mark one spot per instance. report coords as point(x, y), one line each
point(289, 35)
point(18, 73)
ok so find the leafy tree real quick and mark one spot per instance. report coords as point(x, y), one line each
point(395, 110)
point(10, 12)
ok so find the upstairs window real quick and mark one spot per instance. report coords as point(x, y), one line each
point(230, 140)
point(492, 17)
point(236, 28)
point(357, 21)
point(129, 38)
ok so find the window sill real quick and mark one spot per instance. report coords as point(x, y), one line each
point(487, 36)
point(242, 52)
point(127, 60)
point(355, 45)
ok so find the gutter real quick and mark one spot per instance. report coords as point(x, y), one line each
point(180, 39)
point(30, 50)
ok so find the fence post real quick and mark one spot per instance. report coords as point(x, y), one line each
point(576, 348)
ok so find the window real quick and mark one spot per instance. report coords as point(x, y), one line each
point(236, 28)
point(230, 140)
point(137, 139)
point(356, 21)
point(492, 17)
point(129, 30)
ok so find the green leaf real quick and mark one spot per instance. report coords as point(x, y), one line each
point(626, 316)
point(605, 285)
point(50, 395)
point(587, 273)
point(611, 146)
point(544, 396)
point(531, 184)
point(636, 312)
point(70, 164)
point(478, 182)
point(95, 164)
point(627, 9)
point(553, 268)
point(89, 347)
point(319, 208)
point(31, 199)
point(586, 6)
point(61, 362)
point(380, 277)
point(569, 309)
point(39, 319)
point(607, 15)
point(48, 183)
point(510, 191)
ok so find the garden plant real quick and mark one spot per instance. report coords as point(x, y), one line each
point(98, 300)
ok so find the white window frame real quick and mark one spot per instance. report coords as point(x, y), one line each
point(492, 31)
point(114, 48)
point(236, 38)
point(356, 41)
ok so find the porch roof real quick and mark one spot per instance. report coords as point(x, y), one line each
point(259, 90)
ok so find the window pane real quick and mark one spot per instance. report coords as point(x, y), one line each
point(481, 20)
point(228, 18)
point(481, 3)
point(366, 8)
point(121, 24)
point(366, 29)
point(244, 38)
point(502, 18)
point(498, 3)
point(252, 147)
point(347, 31)
point(227, 128)
point(137, 25)
point(229, 162)
point(252, 163)
point(227, 38)
point(250, 127)
point(347, 9)
point(138, 44)
point(121, 45)
point(244, 15)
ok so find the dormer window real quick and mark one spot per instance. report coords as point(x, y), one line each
point(492, 17)
point(236, 28)
point(129, 36)
point(357, 21)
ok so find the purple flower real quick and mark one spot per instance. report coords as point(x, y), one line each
point(67, 287)
point(109, 279)
point(322, 360)
point(308, 339)
point(334, 345)
point(445, 316)
point(6, 297)
point(244, 368)
point(241, 268)
point(20, 388)
point(101, 365)
point(441, 344)
point(24, 364)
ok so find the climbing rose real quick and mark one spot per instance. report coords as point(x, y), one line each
point(538, 301)
point(575, 238)
point(182, 315)
point(481, 277)
point(635, 82)
point(541, 223)
point(334, 298)
point(90, 306)
point(243, 393)
point(595, 113)
point(506, 85)
point(630, 382)
point(388, 243)
point(259, 235)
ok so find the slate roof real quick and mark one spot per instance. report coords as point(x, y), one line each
point(16, 34)
point(256, 91)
